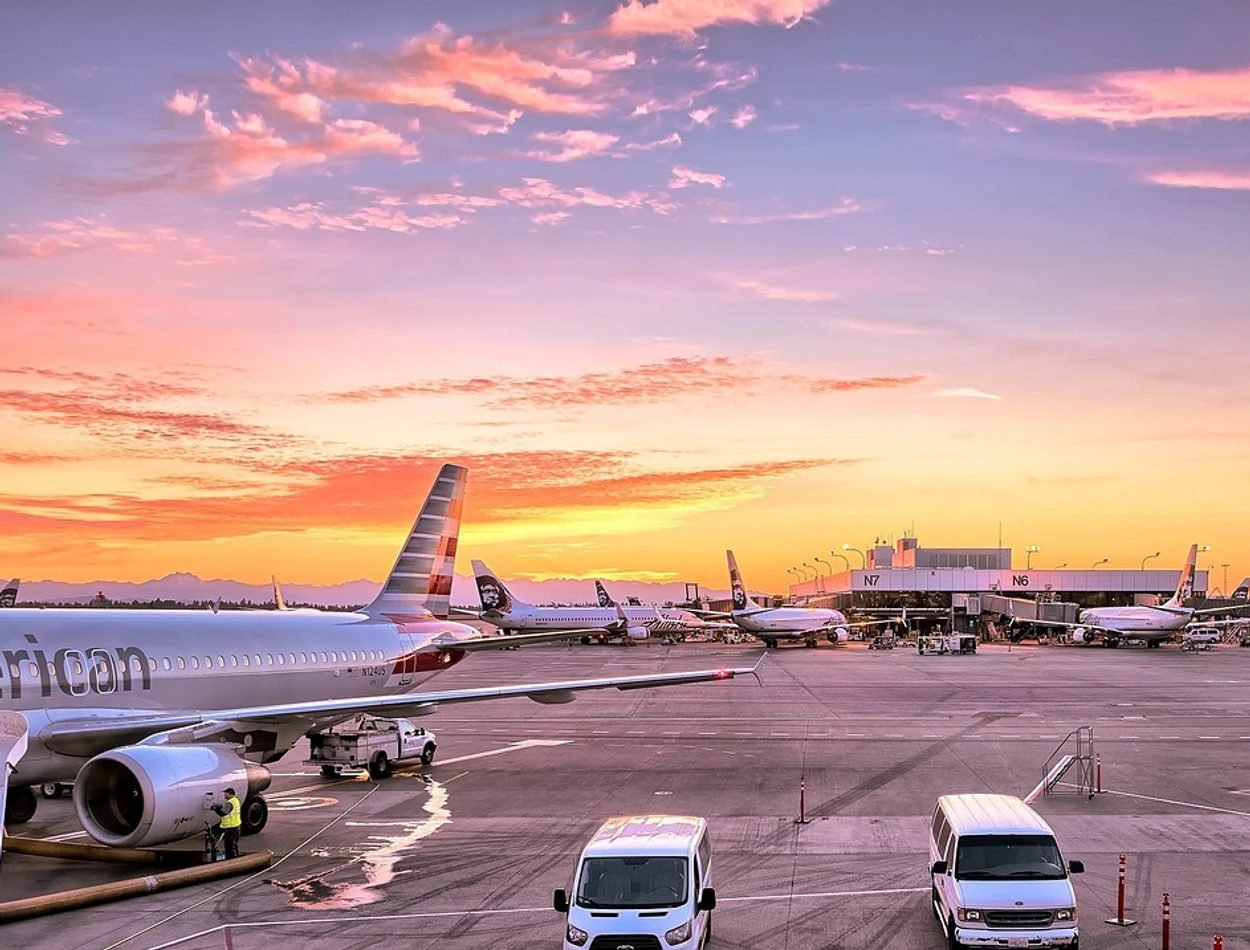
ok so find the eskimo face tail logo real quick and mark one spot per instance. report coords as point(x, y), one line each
point(494, 595)
point(1187, 584)
point(604, 599)
point(739, 595)
point(8, 597)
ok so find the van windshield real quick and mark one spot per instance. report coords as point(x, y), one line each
point(632, 882)
point(1008, 857)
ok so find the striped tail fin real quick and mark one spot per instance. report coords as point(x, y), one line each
point(419, 585)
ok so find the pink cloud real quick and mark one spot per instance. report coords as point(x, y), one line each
point(312, 215)
point(743, 117)
point(684, 17)
point(21, 113)
point(792, 294)
point(573, 144)
point(669, 141)
point(186, 104)
point(845, 206)
point(51, 238)
point(1130, 98)
point(540, 193)
point(550, 218)
point(1210, 178)
point(684, 177)
point(702, 116)
point(279, 82)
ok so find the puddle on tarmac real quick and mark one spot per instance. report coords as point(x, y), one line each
point(371, 863)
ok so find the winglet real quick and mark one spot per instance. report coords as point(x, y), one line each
point(278, 601)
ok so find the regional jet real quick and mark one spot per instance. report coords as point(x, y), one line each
point(149, 711)
point(1154, 625)
point(8, 596)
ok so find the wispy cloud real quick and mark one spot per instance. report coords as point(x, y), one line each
point(550, 218)
point(312, 215)
point(777, 292)
point(845, 206)
point(49, 238)
point(878, 326)
point(1130, 97)
point(684, 17)
point(23, 113)
point(965, 392)
point(684, 177)
point(1208, 178)
point(743, 117)
point(573, 145)
point(664, 381)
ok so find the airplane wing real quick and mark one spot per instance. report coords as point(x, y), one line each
point(1222, 610)
point(90, 736)
point(508, 640)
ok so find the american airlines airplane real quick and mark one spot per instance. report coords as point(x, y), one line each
point(146, 711)
point(1154, 625)
point(774, 624)
point(8, 596)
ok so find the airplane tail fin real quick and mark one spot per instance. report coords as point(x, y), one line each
point(605, 599)
point(8, 596)
point(278, 601)
point(1185, 587)
point(492, 592)
point(1239, 594)
point(741, 600)
point(419, 584)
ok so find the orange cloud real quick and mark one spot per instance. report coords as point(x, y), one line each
point(1131, 98)
point(573, 144)
point(1230, 181)
point(684, 17)
point(664, 381)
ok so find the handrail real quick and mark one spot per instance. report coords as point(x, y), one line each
point(1084, 736)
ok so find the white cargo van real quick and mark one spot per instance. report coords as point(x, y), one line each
point(999, 879)
point(643, 882)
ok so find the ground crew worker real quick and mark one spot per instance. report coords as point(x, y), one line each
point(231, 811)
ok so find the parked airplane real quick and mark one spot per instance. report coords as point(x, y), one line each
point(1239, 594)
point(1154, 625)
point(773, 624)
point(661, 620)
point(147, 711)
point(8, 596)
point(501, 608)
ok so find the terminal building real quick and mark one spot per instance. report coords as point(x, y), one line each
point(972, 581)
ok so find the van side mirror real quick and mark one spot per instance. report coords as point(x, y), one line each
point(1076, 867)
point(939, 867)
point(560, 900)
point(707, 900)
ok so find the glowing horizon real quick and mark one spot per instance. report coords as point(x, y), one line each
point(669, 277)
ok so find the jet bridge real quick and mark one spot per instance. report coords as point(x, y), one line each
point(1019, 608)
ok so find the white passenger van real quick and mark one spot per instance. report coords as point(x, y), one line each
point(643, 882)
point(999, 879)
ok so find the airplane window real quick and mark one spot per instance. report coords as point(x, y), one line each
point(15, 671)
point(334, 657)
point(167, 664)
point(182, 664)
point(281, 660)
point(34, 670)
point(152, 663)
point(195, 662)
point(136, 664)
point(246, 660)
point(269, 658)
point(256, 657)
point(221, 661)
point(324, 658)
point(292, 659)
point(78, 667)
point(353, 656)
point(234, 660)
point(208, 662)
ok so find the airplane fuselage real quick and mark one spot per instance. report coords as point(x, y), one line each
point(1138, 621)
point(657, 620)
point(788, 622)
point(62, 664)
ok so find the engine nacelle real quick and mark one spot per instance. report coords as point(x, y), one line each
point(840, 635)
point(1079, 635)
point(637, 633)
point(143, 795)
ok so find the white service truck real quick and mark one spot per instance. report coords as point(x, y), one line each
point(370, 743)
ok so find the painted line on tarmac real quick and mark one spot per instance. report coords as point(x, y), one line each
point(514, 747)
point(1167, 801)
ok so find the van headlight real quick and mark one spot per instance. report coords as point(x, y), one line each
point(967, 913)
point(576, 936)
point(679, 934)
point(1065, 913)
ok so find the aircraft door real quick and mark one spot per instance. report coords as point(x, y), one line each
point(407, 659)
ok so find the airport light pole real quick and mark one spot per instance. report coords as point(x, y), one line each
point(826, 563)
point(1225, 565)
point(1029, 552)
point(801, 571)
point(863, 558)
point(845, 559)
point(1147, 558)
point(1060, 567)
point(790, 570)
point(1096, 563)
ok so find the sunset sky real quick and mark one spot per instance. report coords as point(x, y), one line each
point(668, 277)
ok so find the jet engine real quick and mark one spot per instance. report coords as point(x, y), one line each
point(839, 635)
point(1079, 635)
point(637, 633)
point(144, 795)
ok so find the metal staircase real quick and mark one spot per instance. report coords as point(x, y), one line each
point(1075, 755)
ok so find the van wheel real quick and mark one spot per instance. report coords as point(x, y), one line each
point(331, 771)
point(427, 755)
point(950, 935)
point(379, 767)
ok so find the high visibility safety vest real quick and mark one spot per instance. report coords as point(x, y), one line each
point(235, 817)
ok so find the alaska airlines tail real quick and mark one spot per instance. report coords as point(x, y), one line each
point(1239, 594)
point(8, 596)
point(1185, 587)
point(420, 582)
point(740, 598)
point(492, 592)
point(605, 599)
